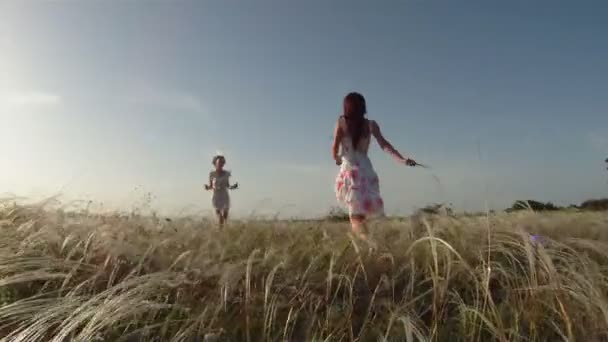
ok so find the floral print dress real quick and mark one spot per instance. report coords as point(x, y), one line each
point(220, 184)
point(357, 185)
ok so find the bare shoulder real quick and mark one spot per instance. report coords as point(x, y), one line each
point(341, 122)
point(373, 125)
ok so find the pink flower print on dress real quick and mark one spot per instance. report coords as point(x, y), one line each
point(368, 205)
point(340, 184)
point(354, 174)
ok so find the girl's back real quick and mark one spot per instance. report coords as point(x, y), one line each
point(347, 140)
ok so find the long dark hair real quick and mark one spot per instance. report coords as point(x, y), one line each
point(355, 120)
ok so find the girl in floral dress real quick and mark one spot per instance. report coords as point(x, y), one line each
point(357, 185)
point(219, 182)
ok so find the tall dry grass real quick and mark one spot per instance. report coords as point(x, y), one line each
point(85, 277)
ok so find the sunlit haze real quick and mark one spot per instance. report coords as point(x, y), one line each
point(109, 100)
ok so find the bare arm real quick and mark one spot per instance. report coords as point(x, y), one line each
point(386, 146)
point(335, 147)
point(233, 186)
point(209, 185)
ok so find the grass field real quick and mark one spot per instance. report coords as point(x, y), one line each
point(84, 277)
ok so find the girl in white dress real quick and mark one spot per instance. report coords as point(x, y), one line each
point(219, 182)
point(357, 185)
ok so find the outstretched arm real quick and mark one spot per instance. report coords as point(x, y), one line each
point(335, 147)
point(387, 147)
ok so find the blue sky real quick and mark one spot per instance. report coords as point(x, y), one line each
point(105, 100)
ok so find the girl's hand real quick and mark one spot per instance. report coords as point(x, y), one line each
point(235, 186)
point(207, 187)
point(410, 162)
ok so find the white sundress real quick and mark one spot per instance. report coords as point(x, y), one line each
point(357, 185)
point(220, 198)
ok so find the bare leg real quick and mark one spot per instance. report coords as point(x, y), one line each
point(225, 215)
point(220, 217)
point(359, 228)
point(357, 223)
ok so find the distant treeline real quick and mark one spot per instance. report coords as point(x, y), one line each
point(338, 214)
point(591, 205)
